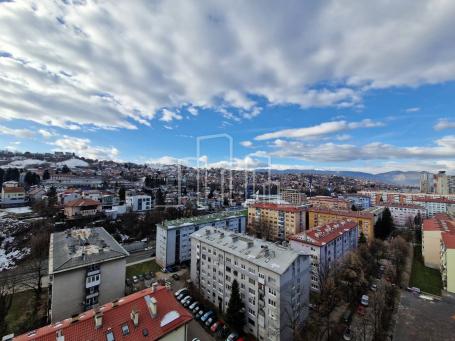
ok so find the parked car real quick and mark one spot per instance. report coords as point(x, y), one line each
point(217, 326)
point(347, 316)
point(196, 309)
point(361, 310)
point(347, 335)
point(182, 295)
point(128, 282)
point(176, 277)
point(374, 287)
point(180, 291)
point(224, 332)
point(152, 274)
point(170, 269)
point(147, 277)
point(233, 337)
point(200, 313)
point(188, 302)
point(141, 277)
point(364, 300)
point(211, 320)
point(186, 297)
point(208, 314)
point(163, 270)
point(193, 305)
point(135, 279)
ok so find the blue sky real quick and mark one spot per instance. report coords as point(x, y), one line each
point(305, 85)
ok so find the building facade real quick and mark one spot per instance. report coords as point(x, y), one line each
point(326, 245)
point(444, 184)
point(361, 202)
point(330, 203)
point(81, 208)
point(293, 197)
point(404, 214)
point(273, 279)
point(86, 268)
point(432, 230)
point(139, 202)
point(365, 220)
point(173, 245)
point(434, 206)
point(12, 194)
point(276, 221)
point(150, 314)
point(448, 262)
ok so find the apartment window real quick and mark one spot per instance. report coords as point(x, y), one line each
point(243, 266)
point(251, 312)
point(228, 269)
point(252, 281)
point(125, 329)
point(272, 303)
point(272, 291)
point(110, 336)
point(250, 321)
point(251, 291)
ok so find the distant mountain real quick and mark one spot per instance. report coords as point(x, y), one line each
point(395, 177)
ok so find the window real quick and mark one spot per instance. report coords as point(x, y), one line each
point(252, 281)
point(250, 321)
point(125, 329)
point(272, 291)
point(110, 336)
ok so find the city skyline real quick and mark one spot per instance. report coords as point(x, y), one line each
point(296, 87)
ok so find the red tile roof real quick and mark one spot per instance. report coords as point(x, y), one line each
point(114, 317)
point(399, 205)
point(324, 234)
point(278, 207)
point(439, 222)
point(342, 213)
point(82, 202)
point(440, 200)
point(449, 240)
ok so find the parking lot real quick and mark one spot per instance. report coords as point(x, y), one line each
point(423, 319)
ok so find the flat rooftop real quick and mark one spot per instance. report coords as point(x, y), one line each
point(81, 247)
point(272, 256)
point(203, 219)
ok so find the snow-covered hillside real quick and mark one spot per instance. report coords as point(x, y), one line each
point(73, 163)
point(24, 163)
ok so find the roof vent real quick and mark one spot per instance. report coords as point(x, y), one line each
point(152, 305)
point(135, 317)
point(98, 320)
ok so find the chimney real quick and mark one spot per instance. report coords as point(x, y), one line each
point(135, 317)
point(98, 320)
point(151, 305)
point(154, 286)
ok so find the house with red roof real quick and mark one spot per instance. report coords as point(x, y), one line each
point(80, 208)
point(326, 244)
point(150, 314)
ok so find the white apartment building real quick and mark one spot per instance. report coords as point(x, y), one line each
point(326, 245)
point(173, 244)
point(402, 213)
point(273, 279)
point(444, 184)
point(436, 205)
point(139, 202)
point(12, 193)
point(86, 269)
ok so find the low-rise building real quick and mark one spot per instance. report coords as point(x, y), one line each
point(432, 229)
point(404, 214)
point(81, 208)
point(275, 221)
point(365, 220)
point(273, 279)
point(139, 202)
point(12, 194)
point(436, 205)
point(326, 244)
point(86, 268)
point(293, 197)
point(361, 202)
point(330, 203)
point(150, 314)
point(173, 245)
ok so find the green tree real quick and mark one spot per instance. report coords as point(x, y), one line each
point(65, 169)
point(362, 238)
point(46, 175)
point(121, 193)
point(235, 315)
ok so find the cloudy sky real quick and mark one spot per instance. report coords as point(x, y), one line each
point(305, 84)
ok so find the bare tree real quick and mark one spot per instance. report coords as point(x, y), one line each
point(7, 290)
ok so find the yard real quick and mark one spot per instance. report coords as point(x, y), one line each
point(427, 279)
point(22, 306)
point(141, 268)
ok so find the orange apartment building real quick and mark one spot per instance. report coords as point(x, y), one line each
point(322, 216)
point(330, 203)
point(276, 221)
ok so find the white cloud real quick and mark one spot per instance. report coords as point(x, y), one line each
point(246, 144)
point(115, 64)
point(22, 133)
point(343, 137)
point(83, 147)
point(166, 160)
point(444, 124)
point(324, 128)
point(331, 152)
point(45, 133)
point(193, 111)
point(169, 116)
point(414, 109)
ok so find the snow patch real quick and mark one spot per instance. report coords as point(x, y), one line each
point(73, 163)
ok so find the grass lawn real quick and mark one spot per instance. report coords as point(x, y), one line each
point(141, 268)
point(22, 304)
point(427, 279)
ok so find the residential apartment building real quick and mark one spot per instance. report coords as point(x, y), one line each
point(383, 197)
point(402, 214)
point(275, 221)
point(173, 245)
point(150, 314)
point(426, 182)
point(361, 202)
point(326, 245)
point(330, 203)
point(448, 262)
point(273, 279)
point(81, 208)
point(365, 220)
point(12, 194)
point(432, 229)
point(436, 205)
point(139, 202)
point(444, 184)
point(293, 197)
point(86, 268)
